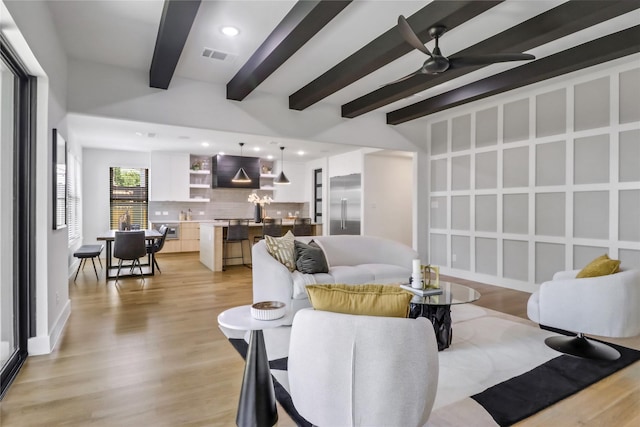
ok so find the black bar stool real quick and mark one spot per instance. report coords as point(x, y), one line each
point(237, 232)
point(270, 227)
point(302, 227)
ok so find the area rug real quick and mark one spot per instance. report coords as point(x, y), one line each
point(497, 371)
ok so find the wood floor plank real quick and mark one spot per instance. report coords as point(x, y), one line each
point(151, 354)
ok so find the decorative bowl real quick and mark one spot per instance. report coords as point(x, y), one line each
point(268, 310)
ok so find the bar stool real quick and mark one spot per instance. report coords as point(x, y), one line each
point(270, 227)
point(88, 251)
point(302, 227)
point(237, 232)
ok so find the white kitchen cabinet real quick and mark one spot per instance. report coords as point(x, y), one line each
point(169, 176)
point(293, 192)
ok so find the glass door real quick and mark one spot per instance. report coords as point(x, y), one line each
point(17, 212)
point(7, 296)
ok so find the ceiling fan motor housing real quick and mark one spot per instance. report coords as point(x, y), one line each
point(435, 65)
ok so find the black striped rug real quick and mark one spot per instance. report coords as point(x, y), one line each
point(510, 401)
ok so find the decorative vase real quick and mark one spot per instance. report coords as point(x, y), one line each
point(257, 217)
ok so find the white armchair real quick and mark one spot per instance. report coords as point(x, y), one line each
point(605, 305)
point(349, 370)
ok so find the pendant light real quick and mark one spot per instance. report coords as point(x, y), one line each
point(282, 178)
point(241, 175)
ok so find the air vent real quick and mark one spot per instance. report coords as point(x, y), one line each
point(217, 54)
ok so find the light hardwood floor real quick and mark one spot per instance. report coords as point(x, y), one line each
point(151, 354)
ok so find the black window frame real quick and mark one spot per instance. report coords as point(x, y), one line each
point(135, 199)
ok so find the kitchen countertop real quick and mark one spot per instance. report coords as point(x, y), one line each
point(218, 222)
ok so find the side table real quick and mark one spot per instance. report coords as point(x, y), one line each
point(437, 308)
point(257, 405)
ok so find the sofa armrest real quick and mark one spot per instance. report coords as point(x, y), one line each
point(272, 281)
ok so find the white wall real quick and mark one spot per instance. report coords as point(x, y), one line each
point(388, 197)
point(345, 164)
point(37, 44)
point(551, 189)
point(95, 179)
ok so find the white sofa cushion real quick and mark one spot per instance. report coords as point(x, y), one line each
point(387, 273)
point(351, 274)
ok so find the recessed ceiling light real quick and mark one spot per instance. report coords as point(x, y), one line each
point(229, 31)
point(221, 153)
point(270, 157)
point(139, 133)
point(205, 144)
point(300, 153)
point(256, 148)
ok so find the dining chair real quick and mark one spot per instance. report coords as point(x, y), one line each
point(157, 245)
point(270, 227)
point(302, 227)
point(237, 232)
point(129, 246)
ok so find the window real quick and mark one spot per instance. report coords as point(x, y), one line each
point(73, 198)
point(129, 192)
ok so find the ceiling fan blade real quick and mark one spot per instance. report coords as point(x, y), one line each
point(464, 61)
point(408, 76)
point(410, 36)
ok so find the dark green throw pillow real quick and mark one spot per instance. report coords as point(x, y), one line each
point(310, 258)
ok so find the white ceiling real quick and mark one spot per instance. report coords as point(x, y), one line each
point(123, 33)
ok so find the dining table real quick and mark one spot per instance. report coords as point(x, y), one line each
point(109, 237)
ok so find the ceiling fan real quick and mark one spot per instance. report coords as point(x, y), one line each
point(437, 63)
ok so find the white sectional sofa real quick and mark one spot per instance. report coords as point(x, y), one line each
point(351, 259)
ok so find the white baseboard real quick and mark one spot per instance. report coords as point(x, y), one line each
point(46, 343)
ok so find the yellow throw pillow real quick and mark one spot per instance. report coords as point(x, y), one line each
point(600, 266)
point(368, 300)
point(283, 249)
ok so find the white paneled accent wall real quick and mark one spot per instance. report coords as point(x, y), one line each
point(539, 180)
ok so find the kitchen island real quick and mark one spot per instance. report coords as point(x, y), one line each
point(211, 242)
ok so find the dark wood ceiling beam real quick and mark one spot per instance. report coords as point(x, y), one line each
point(175, 25)
point(387, 48)
point(303, 21)
point(558, 22)
point(601, 50)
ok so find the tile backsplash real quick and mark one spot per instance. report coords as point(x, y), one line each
point(224, 203)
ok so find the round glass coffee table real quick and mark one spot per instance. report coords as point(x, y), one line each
point(437, 308)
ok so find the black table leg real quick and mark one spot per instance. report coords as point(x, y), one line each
point(257, 405)
point(109, 261)
point(440, 317)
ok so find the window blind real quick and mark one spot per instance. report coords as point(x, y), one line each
point(129, 192)
point(74, 200)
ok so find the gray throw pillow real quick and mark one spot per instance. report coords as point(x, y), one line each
point(310, 258)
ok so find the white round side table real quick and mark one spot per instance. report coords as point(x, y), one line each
point(257, 406)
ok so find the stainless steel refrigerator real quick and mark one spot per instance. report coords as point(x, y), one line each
point(345, 198)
